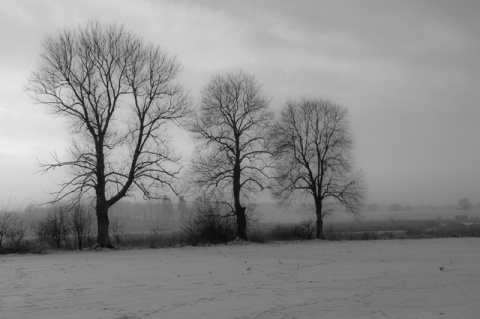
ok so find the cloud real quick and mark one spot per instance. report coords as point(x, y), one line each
point(408, 72)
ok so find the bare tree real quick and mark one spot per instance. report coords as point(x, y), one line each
point(207, 224)
point(464, 204)
point(231, 127)
point(312, 151)
point(54, 228)
point(118, 229)
point(10, 225)
point(119, 97)
point(80, 224)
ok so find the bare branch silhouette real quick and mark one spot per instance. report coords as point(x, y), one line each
point(120, 100)
point(312, 144)
point(231, 127)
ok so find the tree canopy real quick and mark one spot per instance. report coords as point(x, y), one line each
point(231, 128)
point(118, 94)
point(312, 151)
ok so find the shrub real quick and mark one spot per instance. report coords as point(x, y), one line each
point(80, 223)
point(301, 231)
point(12, 232)
point(15, 241)
point(54, 228)
point(331, 232)
point(117, 227)
point(257, 235)
point(155, 236)
point(208, 226)
point(15, 237)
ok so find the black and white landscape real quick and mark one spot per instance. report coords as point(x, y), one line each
point(239, 159)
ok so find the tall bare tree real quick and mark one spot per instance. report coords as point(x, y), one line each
point(119, 97)
point(231, 127)
point(312, 151)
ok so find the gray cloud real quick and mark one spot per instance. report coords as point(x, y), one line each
point(407, 70)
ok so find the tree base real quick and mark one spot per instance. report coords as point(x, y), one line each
point(238, 240)
point(98, 246)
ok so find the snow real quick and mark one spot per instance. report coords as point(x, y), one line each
point(435, 278)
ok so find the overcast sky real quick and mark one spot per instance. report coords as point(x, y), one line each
point(408, 71)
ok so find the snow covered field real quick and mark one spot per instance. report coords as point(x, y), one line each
point(438, 278)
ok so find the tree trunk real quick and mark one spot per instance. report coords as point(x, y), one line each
point(319, 232)
point(239, 209)
point(241, 223)
point(319, 229)
point(103, 238)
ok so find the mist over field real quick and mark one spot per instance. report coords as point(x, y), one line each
point(143, 216)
